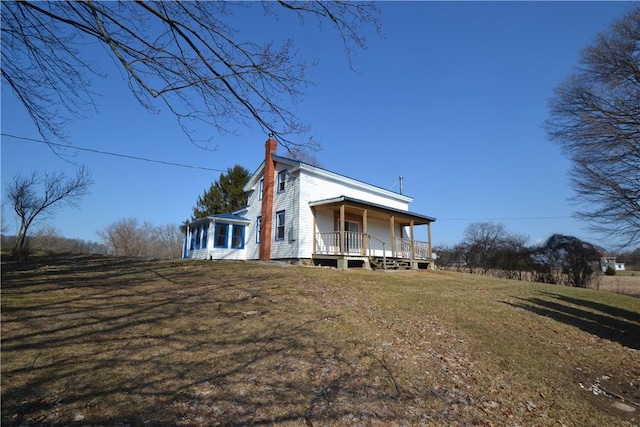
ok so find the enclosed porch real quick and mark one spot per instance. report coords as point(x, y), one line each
point(354, 233)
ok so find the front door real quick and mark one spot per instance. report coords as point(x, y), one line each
point(353, 238)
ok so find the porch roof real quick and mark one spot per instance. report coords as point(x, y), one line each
point(363, 204)
point(226, 217)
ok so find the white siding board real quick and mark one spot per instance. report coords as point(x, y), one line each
point(286, 201)
point(317, 188)
point(254, 210)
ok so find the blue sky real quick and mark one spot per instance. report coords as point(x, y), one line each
point(452, 97)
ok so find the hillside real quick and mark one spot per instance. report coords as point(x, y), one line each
point(92, 340)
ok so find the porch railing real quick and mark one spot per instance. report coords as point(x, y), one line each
point(328, 243)
point(403, 249)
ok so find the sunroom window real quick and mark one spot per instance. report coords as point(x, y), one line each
point(221, 232)
point(237, 237)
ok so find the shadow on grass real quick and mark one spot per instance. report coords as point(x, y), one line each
point(131, 342)
point(603, 320)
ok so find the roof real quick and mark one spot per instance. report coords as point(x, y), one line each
point(364, 204)
point(327, 174)
point(226, 217)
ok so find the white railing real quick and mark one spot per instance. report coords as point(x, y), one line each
point(403, 249)
point(328, 243)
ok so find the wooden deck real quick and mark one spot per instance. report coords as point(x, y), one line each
point(351, 249)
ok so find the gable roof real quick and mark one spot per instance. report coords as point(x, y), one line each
point(296, 165)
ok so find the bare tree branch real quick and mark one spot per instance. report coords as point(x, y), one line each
point(595, 118)
point(180, 55)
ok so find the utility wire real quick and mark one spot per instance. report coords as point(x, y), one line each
point(504, 219)
point(112, 154)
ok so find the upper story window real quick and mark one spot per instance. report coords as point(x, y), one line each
point(237, 237)
point(280, 225)
point(260, 189)
point(282, 177)
point(221, 231)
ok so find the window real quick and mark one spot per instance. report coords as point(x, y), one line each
point(260, 189)
point(198, 237)
point(258, 225)
point(237, 237)
point(192, 241)
point(282, 176)
point(280, 225)
point(221, 235)
point(203, 244)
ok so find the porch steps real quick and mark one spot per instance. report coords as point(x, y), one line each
point(389, 263)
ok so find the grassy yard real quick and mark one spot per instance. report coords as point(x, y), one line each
point(114, 341)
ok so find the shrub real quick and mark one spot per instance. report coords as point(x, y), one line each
point(610, 271)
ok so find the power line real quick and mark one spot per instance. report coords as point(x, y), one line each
point(505, 219)
point(112, 154)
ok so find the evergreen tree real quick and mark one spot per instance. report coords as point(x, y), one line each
point(225, 195)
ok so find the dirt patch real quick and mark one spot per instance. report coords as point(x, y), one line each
point(616, 393)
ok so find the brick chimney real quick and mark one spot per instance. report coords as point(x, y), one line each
point(268, 188)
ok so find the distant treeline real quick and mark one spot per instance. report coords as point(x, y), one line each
point(489, 249)
point(125, 237)
point(54, 243)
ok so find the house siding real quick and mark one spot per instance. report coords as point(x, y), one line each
point(286, 201)
point(318, 188)
point(254, 210)
point(314, 188)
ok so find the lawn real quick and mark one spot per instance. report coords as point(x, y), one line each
point(90, 340)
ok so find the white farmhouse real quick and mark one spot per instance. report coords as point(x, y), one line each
point(299, 212)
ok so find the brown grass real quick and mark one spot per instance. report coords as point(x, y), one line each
point(111, 341)
point(625, 282)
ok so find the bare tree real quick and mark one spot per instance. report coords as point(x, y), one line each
point(183, 55)
point(167, 242)
point(481, 241)
point(127, 237)
point(305, 156)
point(30, 204)
point(595, 118)
point(48, 238)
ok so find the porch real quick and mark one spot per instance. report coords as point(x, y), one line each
point(351, 232)
point(368, 251)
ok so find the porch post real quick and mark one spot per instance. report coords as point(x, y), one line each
point(413, 250)
point(342, 262)
point(392, 232)
point(315, 233)
point(342, 242)
point(429, 242)
point(365, 234)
